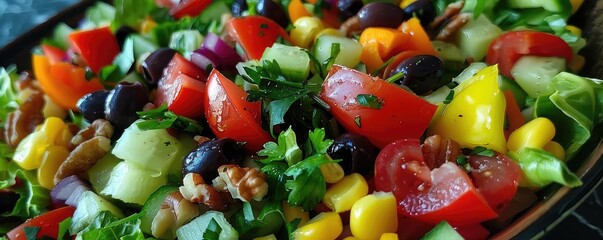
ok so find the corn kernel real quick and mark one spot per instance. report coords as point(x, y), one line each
point(556, 149)
point(326, 225)
point(373, 215)
point(29, 152)
point(305, 30)
point(147, 25)
point(534, 134)
point(389, 236)
point(332, 172)
point(52, 128)
point(269, 237)
point(291, 213)
point(405, 3)
point(573, 29)
point(52, 159)
point(341, 196)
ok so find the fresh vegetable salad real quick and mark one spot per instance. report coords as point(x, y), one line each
point(317, 119)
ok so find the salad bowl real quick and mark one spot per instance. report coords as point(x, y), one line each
point(555, 202)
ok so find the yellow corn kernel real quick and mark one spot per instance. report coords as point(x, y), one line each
point(52, 159)
point(305, 30)
point(147, 25)
point(576, 5)
point(341, 196)
point(332, 172)
point(405, 3)
point(389, 236)
point(291, 213)
point(325, 226)
point(373, 215)
point(29, 152)
point(534, 134)
point(577, 63)
point(269, 237)
point(573, 29)
point(51, 109)
point(556, 149)
point(53, 128)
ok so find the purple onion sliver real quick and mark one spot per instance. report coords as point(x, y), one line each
point(76, 195)
point(225, 52)
point(66, 188)
point(204, 58)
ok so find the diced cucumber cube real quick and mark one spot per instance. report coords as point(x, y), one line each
point(475, 37)
point(349, 50)
point(293, 61)
point(131, 184)
point(534, 73)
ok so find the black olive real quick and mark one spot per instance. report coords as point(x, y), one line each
point(274, 11)
point(208, 156)
point(238, 7)
point(348, 8)
point(92, 105)
point(381, 14)
point(122, 33)
point(356, 152)
point(8, 200)
point(123, 102)
point(423, 9)
point(422, 73)
point(154, 64)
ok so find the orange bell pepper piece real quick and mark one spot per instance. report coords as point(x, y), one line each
point(64, 83)
point(418, 38)
point(370, 57)
point(390, 41)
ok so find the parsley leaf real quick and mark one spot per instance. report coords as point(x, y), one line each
point(276, 178)
point(449, 97)
point(162, 118)
point(482, 151)
point(323, 67)
point(162, 33)
point(107, 226)
point(308, 185)
point(317, 144)
point(64, 228)
point(286, 149)
point(121, 65)
point(369, 100)
point(131, 12)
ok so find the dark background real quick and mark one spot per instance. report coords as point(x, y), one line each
point(19, 16)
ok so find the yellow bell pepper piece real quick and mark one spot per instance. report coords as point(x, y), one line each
point(326, 225)
point(341, 196)
point(51, 161)
point(332, 172)
point(534, 134)
point(475, 116)
point(373, 215)
point(306, 28)
point(30, 151)
point(405, 3)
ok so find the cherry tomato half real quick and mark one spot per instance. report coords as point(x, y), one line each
point(401, 114)
point(47, 222)
point(509, 47)
point(255, 34)
point(496, 178)
point(444, 193)
point(230, 115)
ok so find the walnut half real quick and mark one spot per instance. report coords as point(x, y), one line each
point(195, 190)
point(242, 183)
point(174, 212)
point(83, 157)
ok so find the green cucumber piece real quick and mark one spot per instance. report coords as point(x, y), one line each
point(549, 5)
point(519, 94)
point(186, 41)
point(101, 171)
point(131, 184)
point(293, 61)
point(442, 231)
point(349, 50)
point(210, 223)
point(142, 45)
point(88, 207)
point(187, 144)
point(449, 52)
point(214, 11)
point(152, 206)
point(475, 37)
point(152, 150)
point(534, 73)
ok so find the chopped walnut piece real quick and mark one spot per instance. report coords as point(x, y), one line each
point(83, 157)
point(438, 150)
point(195, 190)
point(448, 31)
point(351, 26)
point(242, 183)
point(24, 120)
point(175, 211)
point(100, 127)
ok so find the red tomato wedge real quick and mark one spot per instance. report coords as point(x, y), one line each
point(63, 82)
point(402, 114)
point(230, 115)
point(188, 8)
point(182, 88)
point(509, 47)
point(47, 222)
point(98, 47)
point(444, 193)
point(255, 34)
point(496, 178)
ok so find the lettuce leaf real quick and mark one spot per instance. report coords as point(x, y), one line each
point(106, 226)
point(8, 93)
point(541, 168)
point(575, 108)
